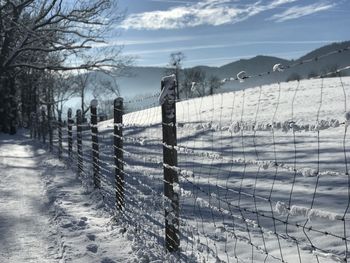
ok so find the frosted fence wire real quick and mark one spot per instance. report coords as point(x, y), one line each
point(278, 184)
point(263, 173)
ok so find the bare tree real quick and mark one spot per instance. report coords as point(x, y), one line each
point(50, 35)
point(32, 27)
point(62, 91)
point(175, 66)
point(194, 83)
point(81, 86)
point(106, 86)
point(214, 83)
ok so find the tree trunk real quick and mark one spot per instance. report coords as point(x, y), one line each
point(13, 117)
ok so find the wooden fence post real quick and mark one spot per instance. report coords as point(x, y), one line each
point(60, 134)
point(70, 133)
point(118, 153)
point(79, 143)
point(168, 101)
point(95, 147)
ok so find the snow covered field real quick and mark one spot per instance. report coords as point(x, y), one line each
point(263, 172)
point(263, 178)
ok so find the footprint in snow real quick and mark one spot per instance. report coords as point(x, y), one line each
point(122, 230)
point(91, 237)
point(107, 260)
point(82, 223)
point(92, 248)
point(65, 223)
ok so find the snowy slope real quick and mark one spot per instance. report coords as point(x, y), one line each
point(249, 161)
point(263, 178)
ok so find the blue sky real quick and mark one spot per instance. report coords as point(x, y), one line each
point(216, 32)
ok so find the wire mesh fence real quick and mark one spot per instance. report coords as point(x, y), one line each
point(262, 172)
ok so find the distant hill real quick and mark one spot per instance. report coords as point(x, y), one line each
point(146, 80)
point(330, 63)
point(142, 80)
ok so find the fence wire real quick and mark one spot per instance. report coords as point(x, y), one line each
point(263, 172)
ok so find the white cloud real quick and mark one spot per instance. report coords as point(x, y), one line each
point(174, 49)
point(142, 41)
point(156, 40)
point(172, 1)
point(205, 12)
point(131, 42)
point(221, 46)
point(300, 11)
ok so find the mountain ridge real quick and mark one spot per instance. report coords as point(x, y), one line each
point(146, 80)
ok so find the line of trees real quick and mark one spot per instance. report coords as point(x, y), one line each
point(330, 71)
point(192, 82)
point(44, 45)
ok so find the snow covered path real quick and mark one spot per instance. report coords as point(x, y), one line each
point(47, 216)
point(24, 218)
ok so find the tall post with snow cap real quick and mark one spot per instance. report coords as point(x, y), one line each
point(118, 153)
point(49, 125)
point(60, 147)
point(167, 100)
point(70, 133)
point(80, 142)
point(95, 146)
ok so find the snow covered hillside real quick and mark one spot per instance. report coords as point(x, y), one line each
point(263, 178)
point(263, 172)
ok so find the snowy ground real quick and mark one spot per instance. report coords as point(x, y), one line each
point(263, 172)
point(25, 233)
point(46, 214)
point(263, 178)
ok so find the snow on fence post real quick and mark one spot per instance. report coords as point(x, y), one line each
point(70, 133)
point(118, 153)
point(95, 146)
point(79, 143)
point(60, 134)
point(167, 99)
